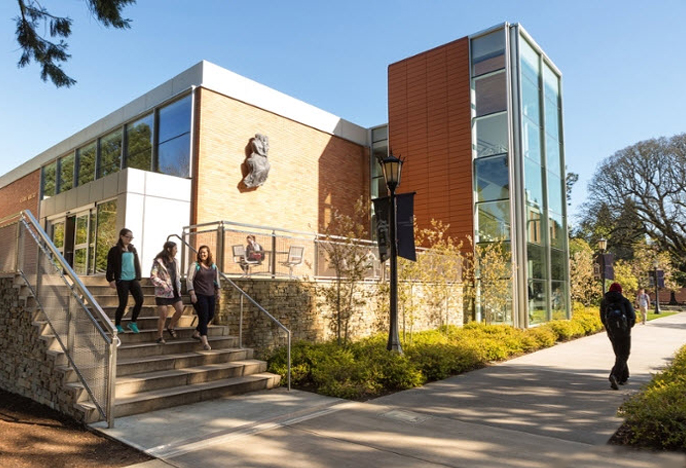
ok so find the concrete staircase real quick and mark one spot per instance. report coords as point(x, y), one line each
point(153, 376)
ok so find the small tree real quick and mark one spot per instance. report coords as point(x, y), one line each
point(350, 261)
point(584, 287)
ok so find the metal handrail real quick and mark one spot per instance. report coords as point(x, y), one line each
point(259, 307)
point(43, 241)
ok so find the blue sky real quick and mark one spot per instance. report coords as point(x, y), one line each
point(623, 62)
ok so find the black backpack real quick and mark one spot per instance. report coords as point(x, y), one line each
point(615, 318)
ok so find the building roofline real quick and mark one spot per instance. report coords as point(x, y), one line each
point(207, 75)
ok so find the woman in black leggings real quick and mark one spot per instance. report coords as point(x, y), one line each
point(202, 283)
point(124, 274)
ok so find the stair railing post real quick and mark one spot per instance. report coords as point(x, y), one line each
point(273, 254)
point(220, 245)
point(240, 325)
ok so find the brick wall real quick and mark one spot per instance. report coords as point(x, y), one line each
point(311, 171)
point(429, 113)
point(20, 195)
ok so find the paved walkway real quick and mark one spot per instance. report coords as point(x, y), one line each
point(549, 408)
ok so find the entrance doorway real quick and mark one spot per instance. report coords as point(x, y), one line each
point(84, 238)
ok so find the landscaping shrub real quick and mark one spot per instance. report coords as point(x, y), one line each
point(656, 417)
point(365, 369)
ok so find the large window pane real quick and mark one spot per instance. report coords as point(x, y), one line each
point(174, 156)
point(531, 140)
point(110, 153)
point(66, 173)
point(529, 61)
point(534, 225)
point(558, 259)
point(538, 303)
point(488, 53)
point(106, 233)
point(557, 232)
point(139, 143)
point(536, 263)
point(558, 299)
point(491, 94)
point(552, 151)
point(492, 178)
point(173, 152)
point(86, 161)
point(552, 119)
point(49, 176)
point(555, 193)
point(491, 135)
point(533, 184)
point(531, 101)
point(493, 221)
point(175, 119)
point(380, 134)
point(551, 85)
point(81, 245)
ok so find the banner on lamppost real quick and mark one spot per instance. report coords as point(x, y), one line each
point(405, 226)
point(383, 234)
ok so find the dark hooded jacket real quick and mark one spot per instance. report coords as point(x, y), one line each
point(613, 297)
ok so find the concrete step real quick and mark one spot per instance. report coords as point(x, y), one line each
point(149, 322)
point(112, 300)
point(184, 395)
point(105, 290)
point(146, 310)
point(173, 346)
point(148, 335)
point(193, 358)
point(128, 386)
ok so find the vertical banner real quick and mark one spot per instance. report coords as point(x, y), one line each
point(383, 234)
point(405, 226)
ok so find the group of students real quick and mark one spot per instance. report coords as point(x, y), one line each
point(202, 284)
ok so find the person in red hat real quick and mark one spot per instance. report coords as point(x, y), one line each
point(619, 317)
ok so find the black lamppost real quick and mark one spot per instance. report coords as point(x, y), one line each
point(602, 245)
point(657, 288)
point(392, 167)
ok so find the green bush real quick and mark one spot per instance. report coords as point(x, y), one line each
point(365, 369)
point(656, 417)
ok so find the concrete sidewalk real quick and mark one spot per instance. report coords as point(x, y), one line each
point(549, 408)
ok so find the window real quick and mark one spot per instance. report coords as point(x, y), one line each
point(492, 178)
point(86, 161)
point(493, 221)
point(490, 93)
point(106, 233)
point(491, 135)
point(48, 176)
point(66, 164)
point(533, 184)
point(555, 193)
point(110, 153)
point(173, 151)
point(488, 53)
point(139, 143)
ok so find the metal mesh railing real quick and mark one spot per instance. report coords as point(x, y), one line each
point(84, 332)
point(226, 238)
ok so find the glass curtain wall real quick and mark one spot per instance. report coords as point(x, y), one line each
point(543, 179)
point(159, 141)
point(490, 152)
point(378, 183)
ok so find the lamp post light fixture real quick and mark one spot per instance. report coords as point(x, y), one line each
point(392, 168)
point(656, 264)
point(602, 245)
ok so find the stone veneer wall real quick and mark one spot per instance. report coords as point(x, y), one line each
point(26, 367)
point(298, 306)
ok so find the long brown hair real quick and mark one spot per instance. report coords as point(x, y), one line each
point(123, 232)
point(209, 260)
point(166, 252)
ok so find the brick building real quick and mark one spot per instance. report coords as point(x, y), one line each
point(478, 121)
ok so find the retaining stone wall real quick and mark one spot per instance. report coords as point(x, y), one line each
point(26, 368)
point(299, 306)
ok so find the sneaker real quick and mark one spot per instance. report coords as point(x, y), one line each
point(613, 383)
point(160, 341)
point(133, 327)
point(120, 329)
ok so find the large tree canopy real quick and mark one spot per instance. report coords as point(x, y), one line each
point(646, 184)
point(33, 16)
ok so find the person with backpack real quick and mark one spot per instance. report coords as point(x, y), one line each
point(619, 317)
point(202, 284)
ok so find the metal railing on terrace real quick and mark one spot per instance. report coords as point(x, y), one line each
point(227, 240)
point(84, 332)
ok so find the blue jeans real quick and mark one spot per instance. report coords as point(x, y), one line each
point(204, 307)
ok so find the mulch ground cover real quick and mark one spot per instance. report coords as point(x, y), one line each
point(33, 435)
